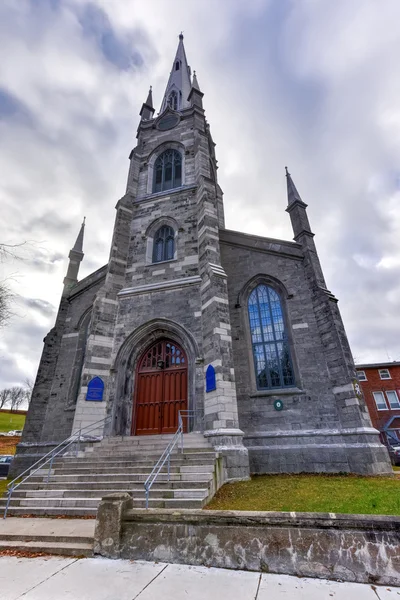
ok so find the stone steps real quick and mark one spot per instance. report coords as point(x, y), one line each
point(133, 470)
point(107, 486)
point(75, 485)
point(199, 492)
point(69, 537)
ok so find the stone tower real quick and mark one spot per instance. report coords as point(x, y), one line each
point(172, 190)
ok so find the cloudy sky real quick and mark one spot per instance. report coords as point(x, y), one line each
point(312, 84)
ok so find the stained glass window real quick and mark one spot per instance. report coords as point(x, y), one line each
point(272, 362)
point(167, 171)
point(164, 244)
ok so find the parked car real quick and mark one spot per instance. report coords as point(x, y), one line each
point(5, 462)
point(394, 453)
point(15, 432)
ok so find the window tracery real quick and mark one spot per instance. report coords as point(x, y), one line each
point(164, 244)
point(168, 171)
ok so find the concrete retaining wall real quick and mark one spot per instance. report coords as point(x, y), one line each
point(358, 548)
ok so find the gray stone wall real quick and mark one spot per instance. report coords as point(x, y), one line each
point(311, 433)
point(359, 548)
point(52, 408)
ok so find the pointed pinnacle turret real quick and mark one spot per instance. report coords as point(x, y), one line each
point(195, 83)
point(293, 194)
point(75, 259)
point(149, 100)
point(196, 96)
point(147, 110)
point(179, 84)
point(78, 246)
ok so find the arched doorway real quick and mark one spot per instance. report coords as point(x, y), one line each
point(161, 389)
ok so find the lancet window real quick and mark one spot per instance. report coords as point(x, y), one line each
point(272, 361)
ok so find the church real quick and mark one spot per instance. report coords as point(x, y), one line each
point(236, 333)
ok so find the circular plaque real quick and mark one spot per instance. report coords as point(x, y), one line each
point(278, 405)
point(167, 122)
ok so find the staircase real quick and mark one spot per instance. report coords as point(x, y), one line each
point(77, 484)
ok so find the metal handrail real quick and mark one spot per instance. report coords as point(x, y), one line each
point(166, 455)
point(50, 456)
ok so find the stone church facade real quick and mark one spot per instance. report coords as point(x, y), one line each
point(237, 330)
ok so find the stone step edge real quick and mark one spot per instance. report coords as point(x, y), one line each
point(63, 548)
point(129, 491)
point(33, 537)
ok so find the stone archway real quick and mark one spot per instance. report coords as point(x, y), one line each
point(125, 369)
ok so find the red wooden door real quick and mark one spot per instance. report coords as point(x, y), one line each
point(161, 389)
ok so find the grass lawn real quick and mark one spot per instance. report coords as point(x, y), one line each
point(3, 487)
point(9, 421)
point(312, 493)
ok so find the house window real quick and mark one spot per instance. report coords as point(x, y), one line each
point(272, 361)
point(361, 376)
point(380, 400)
point(384, 374)
point(168, 171)
point(164, 244)
point(173, 100)
point(393, 399)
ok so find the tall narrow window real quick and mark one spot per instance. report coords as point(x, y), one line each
point(164, 244)
point(271, 353)
point(168, 171)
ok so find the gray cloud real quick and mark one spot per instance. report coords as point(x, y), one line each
point(312, 85)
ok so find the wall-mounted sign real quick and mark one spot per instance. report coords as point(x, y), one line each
point(95, 390)
point(211, 383)
point(278, 405)
point(167, 122)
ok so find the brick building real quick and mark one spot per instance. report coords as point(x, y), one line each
point(380, 384)
point(188, 315)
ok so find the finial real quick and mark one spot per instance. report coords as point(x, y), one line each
point(181, 35)
point(287, 172)
point(84, 219)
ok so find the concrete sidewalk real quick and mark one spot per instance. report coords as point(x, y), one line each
point(102, 579)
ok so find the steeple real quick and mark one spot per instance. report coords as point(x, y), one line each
point(303, 235)
point(179, 85)
point(293, 194)
point(147, 110)
point(297, 210)
point(75, 259)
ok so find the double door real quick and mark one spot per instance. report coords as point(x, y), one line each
point(161, 389)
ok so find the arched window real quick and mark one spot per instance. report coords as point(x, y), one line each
point(173, 100)
point(164, 244)
point(177, 65)
point(168, 171)
point(272, 362)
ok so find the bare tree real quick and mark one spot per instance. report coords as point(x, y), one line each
point(28, 390)
point(4, 398)
point(6, 296)
point(17, 397)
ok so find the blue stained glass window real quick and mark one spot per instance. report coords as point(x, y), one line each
point(272, 362)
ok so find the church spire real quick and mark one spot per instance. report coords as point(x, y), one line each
point(147, 110)
point(179, 85)
point(75, 259)
point(78, 246)
point(293, 194)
